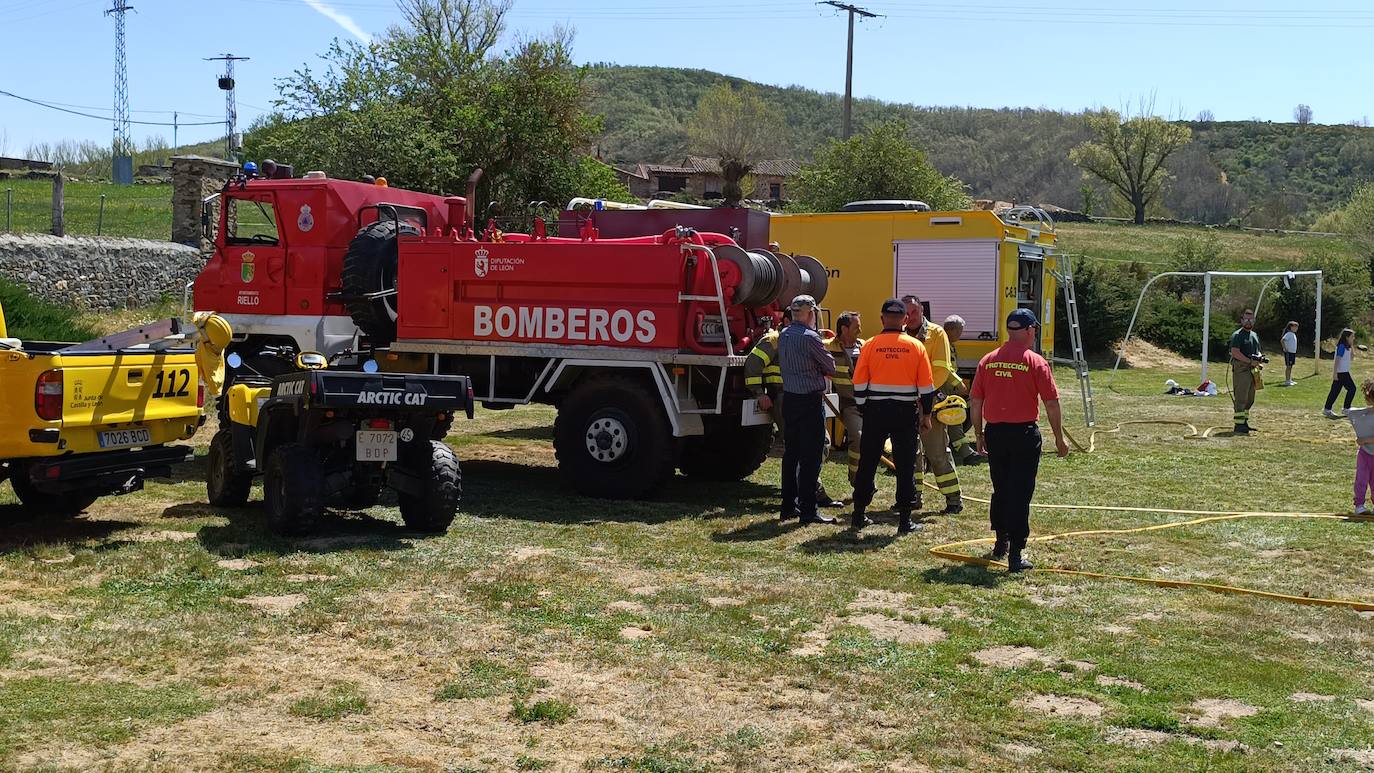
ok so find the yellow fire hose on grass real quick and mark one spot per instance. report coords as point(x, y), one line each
point(950, 552)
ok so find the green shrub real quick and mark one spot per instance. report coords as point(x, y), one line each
point(1178, 327)
point(1106, 296)
point(33, 319)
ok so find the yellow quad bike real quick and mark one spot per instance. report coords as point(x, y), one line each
point(325, 438)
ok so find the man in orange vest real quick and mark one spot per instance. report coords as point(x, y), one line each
point(894, 388)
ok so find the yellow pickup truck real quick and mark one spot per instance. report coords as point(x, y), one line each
point(80, 421)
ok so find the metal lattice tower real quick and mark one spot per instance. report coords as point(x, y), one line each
point(231, 116)
point(123, 147)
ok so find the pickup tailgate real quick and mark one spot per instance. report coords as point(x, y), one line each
point(127, 400)
point(122, 388)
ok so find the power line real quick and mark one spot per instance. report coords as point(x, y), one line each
point(52, 106)
point(849, 56)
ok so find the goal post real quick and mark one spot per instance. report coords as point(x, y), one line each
point(1207, 277)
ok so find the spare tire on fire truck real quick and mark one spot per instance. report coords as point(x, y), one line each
point(369, 278)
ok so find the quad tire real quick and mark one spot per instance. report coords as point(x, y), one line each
point(613, 440)
point(226, 484)
point(39, 503)
point(726, 454)
point(293, 489)
point(370, 266)
point(433, 510)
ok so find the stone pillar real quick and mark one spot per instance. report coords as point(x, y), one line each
point(194, 178)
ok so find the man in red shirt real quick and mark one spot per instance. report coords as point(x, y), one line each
point(1010, 383)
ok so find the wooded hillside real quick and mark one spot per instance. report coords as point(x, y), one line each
point(1259, 173)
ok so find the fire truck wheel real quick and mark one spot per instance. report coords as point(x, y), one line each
point(612, 439)
point(433, 511)
point(369, 267)
point(292, 488)
point(37, 502)
point(727, 454)
point(225, 484)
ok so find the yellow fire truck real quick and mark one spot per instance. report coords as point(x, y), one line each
point(976, 264)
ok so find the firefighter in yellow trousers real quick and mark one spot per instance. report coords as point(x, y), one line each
point(960, 439)
point(844, 347)
point(934, 445)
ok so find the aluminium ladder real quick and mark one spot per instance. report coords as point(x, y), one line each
point(1064, 276)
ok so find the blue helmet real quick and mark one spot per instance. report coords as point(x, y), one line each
point(250, 168)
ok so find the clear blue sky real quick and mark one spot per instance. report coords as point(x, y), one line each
point(1240, 59)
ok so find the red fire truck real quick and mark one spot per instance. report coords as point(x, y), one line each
point(639, 342)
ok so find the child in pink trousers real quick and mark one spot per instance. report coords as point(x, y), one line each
point(1363, 421)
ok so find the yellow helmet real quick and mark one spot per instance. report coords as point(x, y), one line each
point(951, 411)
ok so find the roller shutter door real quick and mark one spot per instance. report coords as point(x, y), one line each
point(956, 276)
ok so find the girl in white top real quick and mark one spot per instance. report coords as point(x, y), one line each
point(1290, 352)
point(1340, 373)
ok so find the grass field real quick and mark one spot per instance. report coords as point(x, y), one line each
point(1241, 250)
point(142, 211)
point(695, 633)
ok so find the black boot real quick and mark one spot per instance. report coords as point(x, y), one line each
point(953, 506)
point(1249, 429)
point(1241, 429)
point(1015, 563)
point(859, 521)
point(904, 524)
point(999, 549)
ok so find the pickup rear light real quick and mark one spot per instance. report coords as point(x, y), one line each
point(200, 394)
point(47, 395)
point(379, 424)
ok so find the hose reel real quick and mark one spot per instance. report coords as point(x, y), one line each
point(773, 277)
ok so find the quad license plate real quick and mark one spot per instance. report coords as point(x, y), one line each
point(376, 446)
point(124, 438)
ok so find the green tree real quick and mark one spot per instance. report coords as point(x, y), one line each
point(738, 128)
point(433, 98)
point(1129, 156)
point(881, 163)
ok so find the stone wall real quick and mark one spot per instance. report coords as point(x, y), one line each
point(194, 178)
point(98, 273)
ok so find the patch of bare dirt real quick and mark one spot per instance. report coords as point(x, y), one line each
point(274, 605)
point(634, 632)
point(1012, 657)
point(1362, 757)
point(301, 578)
point(1366, 705)
point(237, 564)
point(1143, 354)
point(1104, 680)
point(1310, 697)
point(1212, 712)
point(1061, 705)
point(1081, 665)
point(870, 598)
point(161, 535)
point(626, 606)
point(1018, 751)
point(900, 631)
point(526, 553)
point(643, 590)
point(718, 602)
point(1116, 630)
point(1144, 739)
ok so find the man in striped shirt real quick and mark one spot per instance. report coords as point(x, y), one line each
point(895, 388)
point(805, 367)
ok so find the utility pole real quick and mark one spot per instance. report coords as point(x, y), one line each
point(226, 84)
point(123, 148)
point(849, 58)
